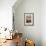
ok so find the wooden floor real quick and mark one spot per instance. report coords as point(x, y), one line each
point(9, 43)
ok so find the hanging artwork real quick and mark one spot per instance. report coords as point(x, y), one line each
point(28, 19)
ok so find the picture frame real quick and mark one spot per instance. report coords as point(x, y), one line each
point(28, 19)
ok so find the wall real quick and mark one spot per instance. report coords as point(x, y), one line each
point(29, 32)
point(43, 22)
point(6, 13)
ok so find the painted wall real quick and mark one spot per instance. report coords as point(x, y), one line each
point(43, 22)
point(6, 13)
point(29, 32)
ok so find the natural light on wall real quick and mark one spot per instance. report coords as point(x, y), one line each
point(6, 18)
point(6, 13)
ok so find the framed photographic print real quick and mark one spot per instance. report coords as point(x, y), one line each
point(28, 19)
